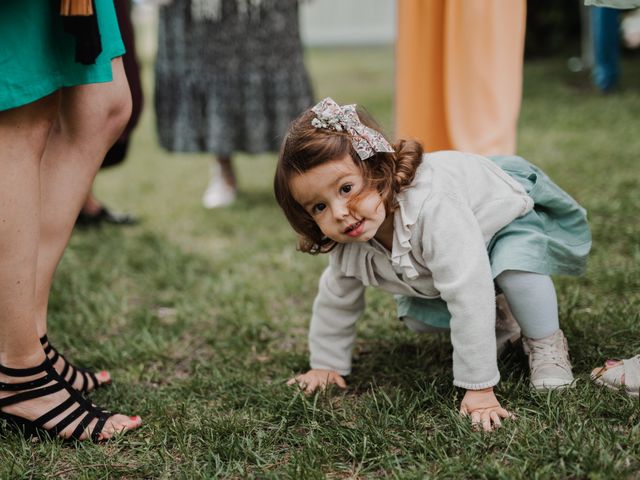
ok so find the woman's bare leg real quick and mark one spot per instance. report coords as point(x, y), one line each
point(23, 136)
point(91, 118)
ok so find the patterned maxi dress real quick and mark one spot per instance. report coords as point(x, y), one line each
point(230, 75)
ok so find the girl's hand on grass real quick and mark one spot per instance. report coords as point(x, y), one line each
point(314, 379)
point(484, 409)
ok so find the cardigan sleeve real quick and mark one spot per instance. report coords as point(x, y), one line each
point(454, 251)
point(338, 305)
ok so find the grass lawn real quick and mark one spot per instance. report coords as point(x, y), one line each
point(201, 317)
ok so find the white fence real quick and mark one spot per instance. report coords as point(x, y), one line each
point(347, 22)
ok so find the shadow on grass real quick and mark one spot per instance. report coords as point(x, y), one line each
point(410, 365)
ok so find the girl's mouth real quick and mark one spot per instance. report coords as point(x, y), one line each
point(355, 229)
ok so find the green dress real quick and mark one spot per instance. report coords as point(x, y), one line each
point(552, 239)
point(37, 56)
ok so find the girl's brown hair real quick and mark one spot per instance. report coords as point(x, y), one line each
point(306, 147)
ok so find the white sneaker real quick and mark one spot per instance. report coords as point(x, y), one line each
point(218, 193)
point(549, 363)
point(507, 329)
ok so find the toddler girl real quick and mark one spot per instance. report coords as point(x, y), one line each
point(437, 230)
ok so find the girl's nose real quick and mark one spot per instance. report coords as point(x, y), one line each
point(340, 210)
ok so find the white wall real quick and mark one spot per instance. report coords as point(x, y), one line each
point(347, 22)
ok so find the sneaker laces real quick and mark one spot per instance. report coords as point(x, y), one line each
point(552, 350)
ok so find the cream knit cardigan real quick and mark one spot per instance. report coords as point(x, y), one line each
point(457, 202)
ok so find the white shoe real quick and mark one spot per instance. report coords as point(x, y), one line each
point(218, 193)
point(549, 363)
point(507, 329)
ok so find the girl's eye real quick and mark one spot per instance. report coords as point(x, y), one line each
point(318, 207)
point(346, 188)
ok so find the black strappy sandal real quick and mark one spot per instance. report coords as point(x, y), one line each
point(45, 385)
point(69, 367)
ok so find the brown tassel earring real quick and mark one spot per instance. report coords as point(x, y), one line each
point(76, 8)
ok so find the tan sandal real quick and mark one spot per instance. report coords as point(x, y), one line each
point(619, 375)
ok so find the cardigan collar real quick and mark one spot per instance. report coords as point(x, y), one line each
point(410, 202)
point(404, 218)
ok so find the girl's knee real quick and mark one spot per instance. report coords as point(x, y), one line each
point(516, 281)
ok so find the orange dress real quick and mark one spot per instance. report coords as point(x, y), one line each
point(459, 73)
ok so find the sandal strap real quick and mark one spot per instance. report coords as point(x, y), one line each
point(48, 348)
point(69, 419)
point(74, 373)
point(14, 387)
point(31, 394)
point(86, 375)
point(84, 407)
point(102, 421)
point(24, 372)
point(54, 412)
point(93, 377)
point(84, 423)
point(64, 371)
point(54, 358)
point(90, 376)
point(85, 381)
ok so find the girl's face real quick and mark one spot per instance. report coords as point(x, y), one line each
point(324, 192)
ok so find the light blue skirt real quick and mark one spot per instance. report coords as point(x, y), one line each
point(552, 239)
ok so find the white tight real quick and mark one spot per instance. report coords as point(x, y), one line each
point(532, 299)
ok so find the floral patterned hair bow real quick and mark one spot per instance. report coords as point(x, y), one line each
point(366, 141)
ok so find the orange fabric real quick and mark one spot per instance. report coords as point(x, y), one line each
point(418, 54)
point(459, 73)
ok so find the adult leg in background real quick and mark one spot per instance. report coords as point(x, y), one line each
point(606, 47)
point(221, 190)
point(94, 212)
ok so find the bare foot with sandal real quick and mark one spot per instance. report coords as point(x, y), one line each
point(622, 375)
point(37, 402)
